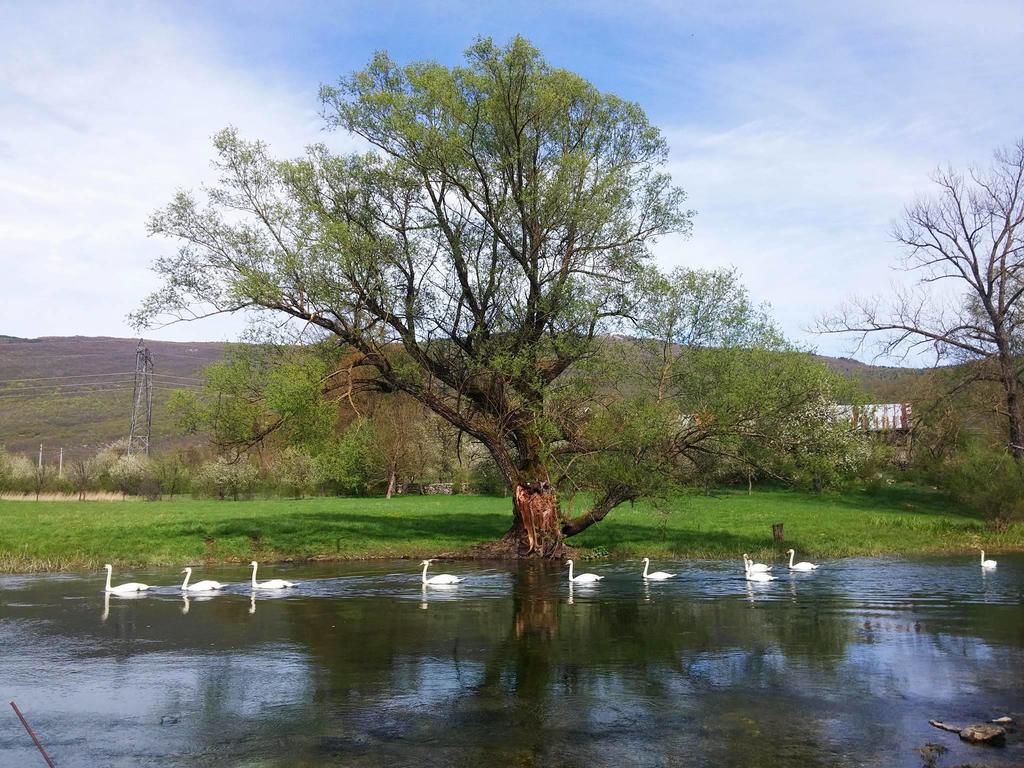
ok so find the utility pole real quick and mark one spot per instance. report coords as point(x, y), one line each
point(142, 402)
point(40, 455)
point(60, 463)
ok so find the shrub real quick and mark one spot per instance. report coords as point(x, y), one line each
point(224, 478)
point(486, 478)
point(296, 471)
point(347, 466)
point(82, 475)
point(988, 482)
point(128, 473)
point(171, 474)
point(17, 473)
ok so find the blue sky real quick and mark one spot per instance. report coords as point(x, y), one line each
point(799, 129)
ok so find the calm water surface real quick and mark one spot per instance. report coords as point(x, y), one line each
point(360, 667)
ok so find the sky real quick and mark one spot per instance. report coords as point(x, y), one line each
point(799, 129)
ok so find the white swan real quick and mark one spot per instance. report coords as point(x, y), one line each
point(583, 578)
point(657, 575)
point(272, 584)
point(799, 566)
point(987, 563)
point(753, 567)
point(758, 576)
point(440, 579)
point(123, 589)
point(199, 586)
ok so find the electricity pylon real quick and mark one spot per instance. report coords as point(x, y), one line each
point(142, 403)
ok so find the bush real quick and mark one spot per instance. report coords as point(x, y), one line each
point(224, 478)
point(82, 475)
point(296, 471)
point(127, 473)
point(348, 465)
point(171, 474)
point(486, 478)
point(988, 482)
point(17, 473)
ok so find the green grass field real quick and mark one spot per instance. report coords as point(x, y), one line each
point(66, 535)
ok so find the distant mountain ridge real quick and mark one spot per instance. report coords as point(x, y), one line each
point(76, 391)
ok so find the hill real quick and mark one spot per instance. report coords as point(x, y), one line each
point(881, 383)
point(76, 391)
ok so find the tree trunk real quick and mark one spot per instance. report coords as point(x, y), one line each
point(1016, 411)
point(1014, 405)
point(536, 527)
point(392, 483)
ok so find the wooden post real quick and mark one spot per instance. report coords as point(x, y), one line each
point(32, 733)
point(777, 534)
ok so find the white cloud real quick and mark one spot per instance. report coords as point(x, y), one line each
point(811, 126)
point(103, 116)
point(825, 130)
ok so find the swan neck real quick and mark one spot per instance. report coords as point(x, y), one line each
point(647, 563)
point(108, 579)
point(791, 556)
point(570, 571)
point(983, 555)
point(254, 567)
point(425, 566)
point(188, 575)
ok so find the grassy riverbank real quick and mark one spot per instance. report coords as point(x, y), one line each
point(69, 535)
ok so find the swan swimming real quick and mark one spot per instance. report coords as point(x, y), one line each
point(759, 576)
point(199, 586)
point(439, 580)
point(799, 566)
point(987, 563)
point(753, 567)
point(122, 589)
point(272, 584)
point(583, 578)
point(657, 575)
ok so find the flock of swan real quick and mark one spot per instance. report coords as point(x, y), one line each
point(752, 571)
point(133, 587)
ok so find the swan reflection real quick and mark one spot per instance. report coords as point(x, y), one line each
point(189, 598)
point(119, 596)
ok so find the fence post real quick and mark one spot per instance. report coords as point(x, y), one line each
point(777, 534)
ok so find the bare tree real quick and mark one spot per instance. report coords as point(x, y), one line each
point(965, 246)
point(83, 475)
point(398, 424)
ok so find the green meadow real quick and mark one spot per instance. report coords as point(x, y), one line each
point(73, 535)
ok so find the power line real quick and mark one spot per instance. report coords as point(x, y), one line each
point(169, 377)
point(75, 393)
point(70, 385)
point(76, 376)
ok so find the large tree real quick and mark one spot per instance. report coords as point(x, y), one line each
point(965, 245)
point(496, 230)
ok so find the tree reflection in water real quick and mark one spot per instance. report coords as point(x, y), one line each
point(508, 670)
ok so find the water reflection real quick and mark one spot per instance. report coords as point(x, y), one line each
point(363, 665)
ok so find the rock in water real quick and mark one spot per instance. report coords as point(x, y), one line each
point(975, 734)
point(984, 734)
